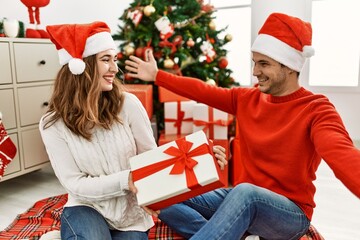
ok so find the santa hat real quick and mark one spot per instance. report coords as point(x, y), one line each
point(77, 41)
point(285, 39)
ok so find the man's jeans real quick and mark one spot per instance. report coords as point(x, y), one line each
point(227, 214)
point(85, 223)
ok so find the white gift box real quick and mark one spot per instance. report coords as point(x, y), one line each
point(213, 121)
point(178, 117)
point(175, 171)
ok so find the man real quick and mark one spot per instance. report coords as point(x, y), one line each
point(284, 132)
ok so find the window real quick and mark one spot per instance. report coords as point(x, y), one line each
point(336, 39)
point(236, 15)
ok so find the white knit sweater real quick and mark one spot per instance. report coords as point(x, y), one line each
point(96, 173)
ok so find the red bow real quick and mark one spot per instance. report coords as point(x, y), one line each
point(173, 44)
point(182, 160)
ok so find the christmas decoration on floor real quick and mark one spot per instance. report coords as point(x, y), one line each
point(183, 36)
point(34, 30)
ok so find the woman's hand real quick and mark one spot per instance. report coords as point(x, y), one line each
point(133, 189)
point(220, 155)
point(151, 212)
point(144, 70)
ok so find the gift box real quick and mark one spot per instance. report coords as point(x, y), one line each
point(224, 174)
point(168, 96)
point(178, 117)
point(144, 93)
point(166, 138)
point(211, 120)
point(175, 171)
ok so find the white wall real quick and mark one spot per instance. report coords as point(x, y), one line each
point(82, 11)
point(69, 11)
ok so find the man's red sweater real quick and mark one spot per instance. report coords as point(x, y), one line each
point(282, 139)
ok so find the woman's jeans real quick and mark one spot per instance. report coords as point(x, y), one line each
point(228, 214)
point(85, 223)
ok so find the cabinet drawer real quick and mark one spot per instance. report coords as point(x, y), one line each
point(14, 166)
point(36, 62)
point(33, 148)
point(33, 103)
point(7, 107)
point(5, 67)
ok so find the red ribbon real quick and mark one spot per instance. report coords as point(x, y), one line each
point(175, 42)
point(209, 126)
point(180, 118)
point(182, 160)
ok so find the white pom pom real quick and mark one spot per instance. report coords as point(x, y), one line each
point(308, 51)
point(76, 66)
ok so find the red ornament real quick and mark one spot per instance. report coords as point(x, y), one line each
point(223, 62)
point(139, 52)
point(120, 55)
point(190, 42)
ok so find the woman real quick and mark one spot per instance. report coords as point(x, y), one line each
point(90, 131)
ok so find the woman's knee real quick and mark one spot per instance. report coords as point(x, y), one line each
point(83, 222)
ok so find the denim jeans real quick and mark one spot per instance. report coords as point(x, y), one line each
point(85, 223)
point(228, 214)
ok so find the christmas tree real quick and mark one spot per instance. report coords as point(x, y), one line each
point(184, 40)
point(182, 35)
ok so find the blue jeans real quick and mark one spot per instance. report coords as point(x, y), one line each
point(85, 223)
point(228, 214)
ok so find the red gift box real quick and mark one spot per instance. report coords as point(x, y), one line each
point(144, 93)
point(163, 139)
point(168, 96)
point(175, 171)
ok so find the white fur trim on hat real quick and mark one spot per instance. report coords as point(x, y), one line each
point(279, 51)
point(97, 43)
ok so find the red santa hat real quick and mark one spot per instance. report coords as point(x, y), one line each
point(77, 41)
point(285, 39)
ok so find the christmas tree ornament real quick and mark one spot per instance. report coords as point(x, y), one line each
point(139, 52)
point(119, 55)
point(129, 50)
point(223, 62)
point(169, 63)
point(211, 81)
point(190, 42)
point(135, 15)
point(149, 10)
point(212, 25)
point(208, 51)
point(165, 27)
point(228, 37)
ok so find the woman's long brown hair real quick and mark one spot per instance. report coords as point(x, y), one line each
point(79, 101)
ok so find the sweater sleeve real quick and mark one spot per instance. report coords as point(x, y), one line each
point(335, 146)
point(140, 124)
point(221, 98)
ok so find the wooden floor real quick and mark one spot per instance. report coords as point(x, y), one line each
point(337, 215)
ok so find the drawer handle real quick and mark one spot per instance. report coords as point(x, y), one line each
point(45, 104)
point(42, 62)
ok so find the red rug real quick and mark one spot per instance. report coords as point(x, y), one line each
point(44, 216)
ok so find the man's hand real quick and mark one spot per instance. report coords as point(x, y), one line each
point(144, 70)
point(220, 155)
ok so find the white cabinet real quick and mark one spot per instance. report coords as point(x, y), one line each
point(28, 68)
